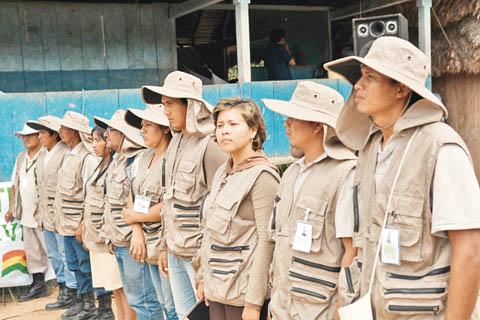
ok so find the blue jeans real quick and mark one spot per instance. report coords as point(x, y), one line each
point(182, 282)
point(56, 255)
point(164, 292)
point(138, 286)
point(78, 261)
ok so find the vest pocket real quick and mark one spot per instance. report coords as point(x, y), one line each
point(313, 210)
point(187, 217)
point(349, 283)
point(115, 189)
point(219, 219)
point(67, 185)
point(184, 180)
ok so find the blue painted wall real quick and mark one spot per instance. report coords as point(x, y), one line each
point(16, 108)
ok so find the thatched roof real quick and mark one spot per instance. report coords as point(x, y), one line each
point(461, 52)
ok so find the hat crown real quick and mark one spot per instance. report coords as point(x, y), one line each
point(119, 115)
point(317, 97)
point(402, 56)
point(76, 117)
point(182, 81)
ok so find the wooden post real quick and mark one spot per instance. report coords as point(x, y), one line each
point(243, 40)
point(425, 32)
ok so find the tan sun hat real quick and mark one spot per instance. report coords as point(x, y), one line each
point(153, 113)
point(177, 84)
point(46, 123)
point(75, 121)
point(117, 122)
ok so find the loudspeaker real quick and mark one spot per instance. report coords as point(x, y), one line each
point(366, 30)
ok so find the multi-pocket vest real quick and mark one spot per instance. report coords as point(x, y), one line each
point(47, 185)
point(94, 209)
point(229, 241)
point(186, 187)
point(417, 288)
point(118, 187)
point(69, 198)
point(151, 182)
point(18, 201)
point(305, 284)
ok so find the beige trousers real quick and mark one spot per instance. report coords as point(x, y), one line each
point(34, 242)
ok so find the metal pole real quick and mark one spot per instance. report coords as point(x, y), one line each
point(243, 40)
point(425, 31)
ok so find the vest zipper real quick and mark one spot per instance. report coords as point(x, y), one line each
point(220, 260)
point(274, 212)
point(224, 272)
point(403, 308)
point(72, 208)
point(187, 215)
point(316, 265)
point(192, 208)
point(152, 239)
point(216, 247)
point(189, 225)
point(434, 272)
point(348, 275)
point(356, 215)
point(414, 290)
point(309, 293)
point(312, 279)
point(72, 201)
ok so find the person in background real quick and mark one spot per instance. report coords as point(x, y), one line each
point(278, 57)
point(24, 205)
point(47, 175)
point(236, 252)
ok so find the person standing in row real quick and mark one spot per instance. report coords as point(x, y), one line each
point(236, 250)
point(105, 273)
point(47, 176)
point(23, 200)
point(414, 184)
point(76, 168)
point(146, 198)
point(192, 159)
point(311, 221)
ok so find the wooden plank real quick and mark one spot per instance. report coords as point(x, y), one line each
point(10, 48)
point(134, 37)
point(148, 36)
point(6, 138)
point(51, 51)
point(186, 7)
point(115, 35)
point(165, 37)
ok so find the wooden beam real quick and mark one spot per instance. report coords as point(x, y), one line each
point(243, 40)
point(368, 6)
point(186, 7)
point(226, 6)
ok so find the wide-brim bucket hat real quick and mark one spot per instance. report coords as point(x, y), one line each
point(76, 121)
point(117, 122)
point(177, 84)
point(26, 130)
point(46, 123)
point(153, 113)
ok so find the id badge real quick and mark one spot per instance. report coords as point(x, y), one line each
point(141, 204)
point(303, 237)
point(390, 250)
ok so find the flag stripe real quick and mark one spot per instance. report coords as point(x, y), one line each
point(13, 261)
point(13, 253)
point(19, 267)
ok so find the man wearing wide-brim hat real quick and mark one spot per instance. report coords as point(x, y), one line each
point(314, 199)
point(77, 167)
point(47, 176)
point(396, 122)
point(24, 206)
point(193, 157)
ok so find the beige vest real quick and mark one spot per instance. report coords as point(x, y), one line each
point(47, 185)
point(69, 198)
point(417, 288)
point(305, 284)
point(229, 241)
point(118, 186)
point(17, 205)
point(186, 186)
point(151, 183)
point(94, 208)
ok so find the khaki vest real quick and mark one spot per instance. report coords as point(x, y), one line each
point(17, 209)
point(186, 186)
point(305, 284)
point(229, 241)
point(151, 183)
point(118, 186)
point(69, 198)
point(417, 288)
point(47, 185)
point(94, 209)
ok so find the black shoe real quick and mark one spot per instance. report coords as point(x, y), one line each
point(74, 309)
point(37, 289)
point(65, 298)
point(104, 311)
point(89, 308)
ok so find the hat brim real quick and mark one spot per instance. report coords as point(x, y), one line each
point(349, 68)
point(127, 130)
point(75, 126)
point(292, 110)
point(153, 95)
point(134, 118)
point(22, 133)
point(39, 126)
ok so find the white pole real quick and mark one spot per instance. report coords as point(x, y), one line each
point(243, 40)
point(425, 30)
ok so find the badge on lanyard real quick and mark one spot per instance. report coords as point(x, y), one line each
point(303, 235)
point(141, 204)
point(390, 250)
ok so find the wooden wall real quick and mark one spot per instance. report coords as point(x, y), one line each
point(461, 95)
point(58, 46)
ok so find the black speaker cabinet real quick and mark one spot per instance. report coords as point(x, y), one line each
point(366, 30)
